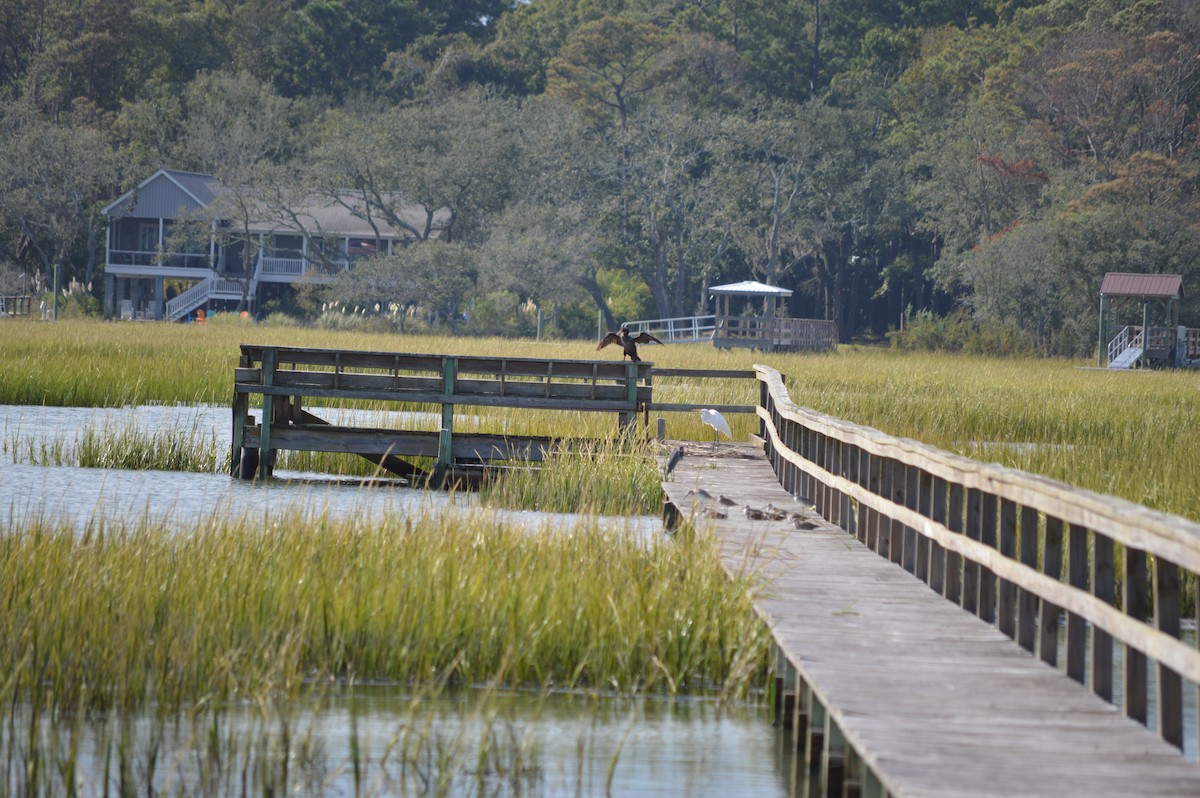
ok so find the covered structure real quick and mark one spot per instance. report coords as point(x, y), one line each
point(1134, 345)
point(767, 328)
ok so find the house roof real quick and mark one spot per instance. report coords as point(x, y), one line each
point(349, 217)
point(169, 194)
point(750, 288)
point(167, 191)
point(1150, 286)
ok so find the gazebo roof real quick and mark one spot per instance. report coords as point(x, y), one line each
point(750, 288)
point(1149, 286)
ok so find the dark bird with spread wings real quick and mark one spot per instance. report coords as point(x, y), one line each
point(628, 342)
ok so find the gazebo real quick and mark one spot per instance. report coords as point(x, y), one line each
point(1143, 345)
point(770, 328)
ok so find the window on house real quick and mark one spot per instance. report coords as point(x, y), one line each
point(286, 246)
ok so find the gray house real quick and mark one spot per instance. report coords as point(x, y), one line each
point(173, 247)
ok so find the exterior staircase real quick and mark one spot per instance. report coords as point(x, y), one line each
point(212, 287)
point(1125, 351)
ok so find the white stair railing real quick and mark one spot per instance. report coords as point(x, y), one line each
point(189, 300)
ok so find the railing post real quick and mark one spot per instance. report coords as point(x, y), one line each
point(1103, 588)
point(1077, 575)
point(937, 554)
point(954, 560)
point(987, 579)
point(1006, 612)
point(1166, 619)
point(1027, 601)
point(446, 431)
point(970, 583)
point(1052, 562)
point(269, 359)
point(1135, 600)
point(912, 490)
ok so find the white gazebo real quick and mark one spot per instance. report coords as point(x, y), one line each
point(765, 326)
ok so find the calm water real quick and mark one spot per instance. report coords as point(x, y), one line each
point(179, 499)
point(548, 745)
point(652, 746)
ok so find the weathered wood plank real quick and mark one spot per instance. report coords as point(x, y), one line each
point(933, 700)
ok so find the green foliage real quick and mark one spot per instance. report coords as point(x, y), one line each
point(998, 156)
point(628, 299)
point(959, 332)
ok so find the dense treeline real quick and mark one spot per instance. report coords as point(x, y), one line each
point(982, 161)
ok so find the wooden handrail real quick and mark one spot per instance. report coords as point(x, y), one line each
point(955, 523)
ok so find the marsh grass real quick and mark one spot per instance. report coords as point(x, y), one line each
point(166, 449)
point(119, 618)
point(608, 477)
point(1135, 435)
point(144, 658)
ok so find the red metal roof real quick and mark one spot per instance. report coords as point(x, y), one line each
point(1161, 286)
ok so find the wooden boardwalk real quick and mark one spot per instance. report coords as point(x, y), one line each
point(898, 691)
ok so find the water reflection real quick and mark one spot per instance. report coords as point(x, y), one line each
point(386, 741)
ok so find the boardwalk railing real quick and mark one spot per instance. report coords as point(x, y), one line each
point(774, 333)
point(679, 330)
point(1022, 551)
point(286, 376)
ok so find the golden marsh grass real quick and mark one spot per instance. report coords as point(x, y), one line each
point(118, 618)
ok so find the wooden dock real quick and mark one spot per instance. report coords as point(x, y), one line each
point(288, 378)
point(887, 688)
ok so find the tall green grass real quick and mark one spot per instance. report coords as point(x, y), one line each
point(124, 618)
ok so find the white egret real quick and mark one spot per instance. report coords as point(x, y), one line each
point(717, 421)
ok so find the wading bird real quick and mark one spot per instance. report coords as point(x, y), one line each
point(628, 342)
point(717, 421)
point(673, 461)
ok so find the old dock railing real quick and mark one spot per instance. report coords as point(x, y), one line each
point(285, 377)
point(1019, 550)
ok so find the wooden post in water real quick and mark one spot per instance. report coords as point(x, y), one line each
point(268, 414)
point(628, 418)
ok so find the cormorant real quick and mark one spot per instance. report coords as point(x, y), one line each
point(628, 342)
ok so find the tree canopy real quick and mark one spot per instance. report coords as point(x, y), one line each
point(990, 159)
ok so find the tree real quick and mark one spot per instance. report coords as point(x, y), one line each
point(674, 209)
point(608, 65)
point(53, 181)
point(767, 170)
point(455, 160)
point(237, 129)
point(437, 276)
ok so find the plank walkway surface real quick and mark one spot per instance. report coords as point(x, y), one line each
point(935, 701)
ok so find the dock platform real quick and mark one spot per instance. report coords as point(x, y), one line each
point(886, 687)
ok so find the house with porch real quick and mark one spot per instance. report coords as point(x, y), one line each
point(173, 247)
